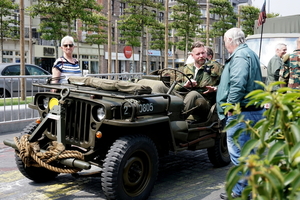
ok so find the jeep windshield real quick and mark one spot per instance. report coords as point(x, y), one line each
point(269, 42)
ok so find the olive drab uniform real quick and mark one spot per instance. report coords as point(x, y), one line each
point(290, 72)
point(208, 74)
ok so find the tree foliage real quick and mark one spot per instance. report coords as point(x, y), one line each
point(187, 18)
point(248, 15)
point(9, 26)
point(58, 18)
point(227, 19)
point(138, 15)
point(271, 15)
point(157, 33)
point(275, 168)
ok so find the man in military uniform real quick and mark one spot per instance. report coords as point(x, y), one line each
point(290, 72)
point(275, 64)
point(204, 73)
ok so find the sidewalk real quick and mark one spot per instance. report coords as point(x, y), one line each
point(16, 118)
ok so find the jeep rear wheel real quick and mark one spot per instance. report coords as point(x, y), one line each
point(37, 174)
point(218, 154)
point(130, 168)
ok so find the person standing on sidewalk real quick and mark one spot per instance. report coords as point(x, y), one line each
point(241, 69)
point(275, 64)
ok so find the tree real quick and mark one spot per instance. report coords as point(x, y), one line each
point(9, 27)
point(248, 15)
point(271, 15)
point(138, 15)
point(187, 17)
point(275, 167)
point(59, 18)
point(158, 38)
point(96, 34)
point(227, 19)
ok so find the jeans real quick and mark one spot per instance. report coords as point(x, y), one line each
point(234, 150)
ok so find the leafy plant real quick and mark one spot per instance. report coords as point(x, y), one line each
point(274, 168)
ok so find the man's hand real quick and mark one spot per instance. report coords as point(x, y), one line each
point(188, 83)
point(210, 89)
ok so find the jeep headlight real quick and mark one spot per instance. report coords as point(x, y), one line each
point(100, 113)
point(45, 102)
point(42, 102)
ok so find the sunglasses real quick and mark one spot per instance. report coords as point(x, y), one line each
point(70, 45)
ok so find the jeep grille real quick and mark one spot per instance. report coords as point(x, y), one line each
point(78, 120)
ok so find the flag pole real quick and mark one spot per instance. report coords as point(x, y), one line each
point(261, 20)
point(261, 33)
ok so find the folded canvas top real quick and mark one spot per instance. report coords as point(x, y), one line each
point(112, 85)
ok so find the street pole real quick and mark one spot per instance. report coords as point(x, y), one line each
point(30, 53)
point(207, 22)
point(166, 32)
point(108, 37)
point(116, 49)
point(22, 54)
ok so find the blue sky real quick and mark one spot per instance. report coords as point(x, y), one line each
point(283, 7)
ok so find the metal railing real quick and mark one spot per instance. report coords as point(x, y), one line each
point(13, 109)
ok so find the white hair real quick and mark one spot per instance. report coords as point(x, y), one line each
point(280, 45)
point(68, 38)
point(236, 35)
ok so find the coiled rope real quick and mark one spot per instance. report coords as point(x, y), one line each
point(31, 155)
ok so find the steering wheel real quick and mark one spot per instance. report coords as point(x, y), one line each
point(171, 77)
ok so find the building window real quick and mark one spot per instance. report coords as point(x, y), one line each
point(26, 32)
point(203, 12)
point(7, 53)
point(75, 25)
point(113, 33)
point(122, 41)
point(161, 17)
point(154, 14)
point(17, 17)
point(122, 8)
point(112, 7)
point(34, 33)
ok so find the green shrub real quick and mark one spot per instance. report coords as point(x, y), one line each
point(275, 168)
point(15, 101)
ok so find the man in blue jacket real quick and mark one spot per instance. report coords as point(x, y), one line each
point(241, 69)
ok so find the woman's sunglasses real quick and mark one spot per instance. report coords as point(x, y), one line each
point(70, 45)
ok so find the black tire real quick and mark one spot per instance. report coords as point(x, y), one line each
point(4, 93)
point(37, 174)
point(130, 168)
point(218, 154)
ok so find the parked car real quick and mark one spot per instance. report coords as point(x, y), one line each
point(11, 87)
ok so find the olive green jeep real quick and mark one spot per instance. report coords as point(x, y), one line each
point(120, 127)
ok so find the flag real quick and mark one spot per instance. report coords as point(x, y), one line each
point(262, 15)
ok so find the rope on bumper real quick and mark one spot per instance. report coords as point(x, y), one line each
point(31, 155)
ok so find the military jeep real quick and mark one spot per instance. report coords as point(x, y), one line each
point(120, 127)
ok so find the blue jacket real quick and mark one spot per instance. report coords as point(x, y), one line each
point(241, 70)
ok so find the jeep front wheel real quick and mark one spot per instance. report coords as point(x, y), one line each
point(37, 174)
point(130, 168)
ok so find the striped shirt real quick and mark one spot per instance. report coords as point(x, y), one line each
point(66, 68)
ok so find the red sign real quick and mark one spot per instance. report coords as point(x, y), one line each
point(127, 51)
